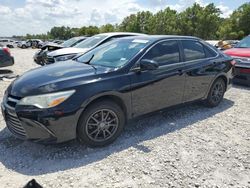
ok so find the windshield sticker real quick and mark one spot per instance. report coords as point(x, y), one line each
point(140, 41)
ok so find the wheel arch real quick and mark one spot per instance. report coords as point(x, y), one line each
point(220, 76)
point(122, 101)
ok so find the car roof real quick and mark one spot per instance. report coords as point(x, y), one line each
point(120, 33)
point(153, 38)
point(80, 37)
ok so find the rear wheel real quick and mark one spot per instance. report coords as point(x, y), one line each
point(216, 93)
point(100, 124)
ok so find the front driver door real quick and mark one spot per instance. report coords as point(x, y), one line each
point(156, 89)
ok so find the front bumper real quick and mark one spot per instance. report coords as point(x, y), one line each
point(41, 126)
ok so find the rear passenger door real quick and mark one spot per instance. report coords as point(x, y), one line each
point(156, 89)
point(198, 69)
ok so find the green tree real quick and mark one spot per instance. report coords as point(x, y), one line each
point(129, 24)
point(200, 21)
point(164, 22)
point(92, 30)
point(107, 28)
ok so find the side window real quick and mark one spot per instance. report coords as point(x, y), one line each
point(209, 52)
point(164, 53)
point(193, 50)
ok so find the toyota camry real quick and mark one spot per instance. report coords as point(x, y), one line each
point(92, 97)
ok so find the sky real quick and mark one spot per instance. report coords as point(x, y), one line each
point(19, 17)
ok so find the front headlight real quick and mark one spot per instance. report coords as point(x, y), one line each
point(65, 57)
point(47, 100)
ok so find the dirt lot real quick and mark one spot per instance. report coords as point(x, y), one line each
point(191, 146)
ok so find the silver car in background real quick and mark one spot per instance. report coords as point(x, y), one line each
point(87, 45)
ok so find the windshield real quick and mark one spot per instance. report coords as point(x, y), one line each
point(91, 42)
point(114, 54)
point(69, 42)
point(244, 43)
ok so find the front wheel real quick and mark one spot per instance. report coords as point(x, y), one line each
point(216, 93)
point(100, 124)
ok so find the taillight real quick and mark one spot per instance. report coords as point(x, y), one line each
point(6, 50)
point(245, 71)
point(233, 62)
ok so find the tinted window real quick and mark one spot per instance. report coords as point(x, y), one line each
point(209, 52)
point(193, 50)
point(164, 53)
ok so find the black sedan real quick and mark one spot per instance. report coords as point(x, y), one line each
point(92, 97)
point(5, 57)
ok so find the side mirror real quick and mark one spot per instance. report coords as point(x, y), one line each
point(147, 64)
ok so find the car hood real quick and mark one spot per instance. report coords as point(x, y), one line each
point(240, 52)
point(66, 51)
point(55, 77)
point(51, 45)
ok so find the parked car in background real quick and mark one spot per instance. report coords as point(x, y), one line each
point(37, 43)
point(8, 43)
point(34, 43)
point(24, 44)
point(41, 56)
point(241, 53)
point(5, 57)
point(213, 42)
point(84, 46)
point(92, 96)
point(233, 43)
point(223, 44)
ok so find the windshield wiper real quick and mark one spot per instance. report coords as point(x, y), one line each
point(88, 62)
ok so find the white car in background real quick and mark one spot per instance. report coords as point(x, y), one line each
point(8, 43)
point(34, 43)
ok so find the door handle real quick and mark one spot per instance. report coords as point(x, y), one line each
point(180, 72)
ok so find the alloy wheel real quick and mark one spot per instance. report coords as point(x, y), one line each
point(102, 125)
point(217, 92)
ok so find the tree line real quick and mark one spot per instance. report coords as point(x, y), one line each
point(204, 22)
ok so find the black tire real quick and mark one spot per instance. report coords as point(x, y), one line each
point(23, 46)
point(88, 128)
point(216, 93)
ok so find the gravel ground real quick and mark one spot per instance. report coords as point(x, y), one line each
point(191, 146)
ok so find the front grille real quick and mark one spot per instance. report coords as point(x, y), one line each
point(13, 100)
point(15, 126)
point(12, 121)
